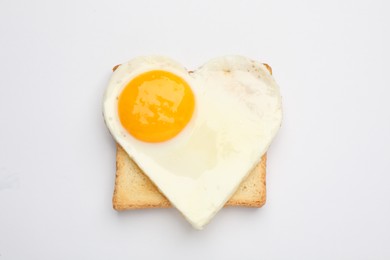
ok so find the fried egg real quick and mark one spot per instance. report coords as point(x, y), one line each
point(197, 134)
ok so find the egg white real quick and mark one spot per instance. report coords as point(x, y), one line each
point(237, 114)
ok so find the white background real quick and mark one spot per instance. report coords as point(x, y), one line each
point(328, 170)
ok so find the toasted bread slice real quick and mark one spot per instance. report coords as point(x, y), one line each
point(134, 190)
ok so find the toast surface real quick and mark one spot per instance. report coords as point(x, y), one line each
point(134, 190)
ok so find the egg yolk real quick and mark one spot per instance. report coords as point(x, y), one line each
point(155, 106)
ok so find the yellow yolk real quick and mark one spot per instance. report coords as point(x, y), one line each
point(155, 106)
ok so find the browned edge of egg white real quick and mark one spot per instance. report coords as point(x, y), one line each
point(265, 64)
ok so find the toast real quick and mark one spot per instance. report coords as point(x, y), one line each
point(134, 190)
